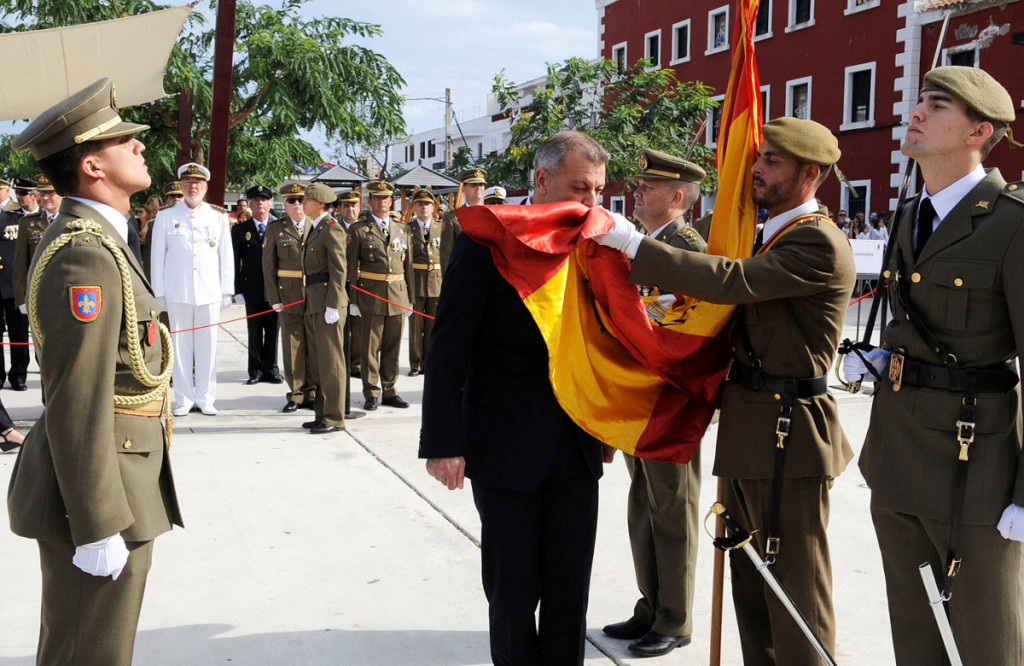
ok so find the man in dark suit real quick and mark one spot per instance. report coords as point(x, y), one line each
point(92, 484)
point(247, 242)
point(793, 295)
point(490, 414)
point(942, 454)
point(10, 316)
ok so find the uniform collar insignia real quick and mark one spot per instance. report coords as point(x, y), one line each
point(982, 204)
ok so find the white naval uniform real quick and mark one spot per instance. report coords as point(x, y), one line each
point(193, 270)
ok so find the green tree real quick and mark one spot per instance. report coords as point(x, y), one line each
point(291, 75)
point(625, 112)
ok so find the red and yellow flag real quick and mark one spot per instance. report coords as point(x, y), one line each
point(646, 387)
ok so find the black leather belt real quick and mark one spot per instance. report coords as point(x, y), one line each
point(908, 372)
point(318, 278)
point(756, 379)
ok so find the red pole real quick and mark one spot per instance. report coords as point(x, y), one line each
point(184, 128)
point(220, 113)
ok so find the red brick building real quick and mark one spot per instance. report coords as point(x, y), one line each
point(852, 65)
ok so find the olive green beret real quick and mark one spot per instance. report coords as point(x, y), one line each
point(88, 115)
point(807, 141)
point(352, 196)
point(293, 190)
point(423, 196)
point(662, 166)
point(976, 88)
point(473, 177)
point(322, 193)
point(380, 188)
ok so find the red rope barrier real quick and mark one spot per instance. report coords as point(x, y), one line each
point(397, 305)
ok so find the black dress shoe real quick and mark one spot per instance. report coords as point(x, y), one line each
point(630, 630)
point(354, 374)
point(290, 406)
point(653, 644)
point(370, 404)
point(415, 373)
point(322, 429)
point(272, 379)
point(21, 386)
point(251, 381)
point(395, 401)
point(311, 424)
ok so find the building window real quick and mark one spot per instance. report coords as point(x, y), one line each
point(412, 153)
point(480, 150)
point(765, 100)
point(801, 14)
point(617, 204)
point(763, 22)
point(860, 202)
point(853, 6)
point(680, 42)
point(798, 98)
point(652, 48)
point(718, 30)
point(619, 57)
point(963, 57)
point(859, 97)
point(714, 121)
point(432, 149)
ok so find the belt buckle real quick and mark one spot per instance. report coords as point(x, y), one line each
point(896, 370)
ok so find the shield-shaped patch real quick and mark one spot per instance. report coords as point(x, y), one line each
point(86, 302)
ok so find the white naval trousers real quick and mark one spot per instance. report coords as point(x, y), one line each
point(195, 353)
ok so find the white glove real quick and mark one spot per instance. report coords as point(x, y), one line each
point(24, 308)
point(277, 307)
point(622, 237)
point(331, 315)
point(1011, 525)
point(226, 300)
point(353, 310)
point(162, 302)
point(240, 299)
point(854, 369)
point(105, 557)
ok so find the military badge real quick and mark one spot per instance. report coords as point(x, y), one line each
point(436, 242)
point(248, 235)
point(11, 232)
point(398, 244)
point(86, 303)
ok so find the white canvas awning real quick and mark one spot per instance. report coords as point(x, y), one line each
point(42, 67)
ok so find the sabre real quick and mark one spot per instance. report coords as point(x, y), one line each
point(741, 539)
point(937, 601)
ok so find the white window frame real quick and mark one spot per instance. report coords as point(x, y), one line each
point(848, 122)
point(844, 197)
point(711, 30)
point(954, 50)
point(853, 8)
point(621, 46)
point(655, 64)
point(791, 24)
point(768, 34)
point(793, 83)
point(675, 42)
point(710, 137)
point(767, 90)
point(619, 200)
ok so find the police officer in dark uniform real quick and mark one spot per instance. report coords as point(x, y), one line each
point(29, 235)
point(10, 316)
point(247, 241)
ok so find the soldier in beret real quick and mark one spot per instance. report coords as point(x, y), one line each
point(325, 263)
point(92, 483)
point(943, 451)
point(474, 182)
point(426, 265)
point(380, 264)
point(282, 275)
point(662, 510)
point(11, 316)
point(350, 205)
point(792, 295)
point(247, 240)
point(193, 272)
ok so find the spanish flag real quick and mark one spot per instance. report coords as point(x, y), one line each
point(646, 386)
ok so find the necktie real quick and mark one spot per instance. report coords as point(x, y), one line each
point(260, 228)
point(759, 241)
point(384, 229)
point(925, 222)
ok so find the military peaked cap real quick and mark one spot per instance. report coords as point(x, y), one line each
point(663, 166)
point(259, 192)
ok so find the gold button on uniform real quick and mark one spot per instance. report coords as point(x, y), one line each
point(886, 274)
point(127, 444)
point(915, 278)
point(959, 282)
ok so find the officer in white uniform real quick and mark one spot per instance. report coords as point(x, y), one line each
point(193, 273)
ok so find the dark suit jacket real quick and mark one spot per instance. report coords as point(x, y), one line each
point(247, 244)
point(10, 221)
point(487, 396)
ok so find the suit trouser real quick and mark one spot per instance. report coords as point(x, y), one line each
point(538, 547)
point(663, 515)
point(262, 339)
point(195, 353)
point(88, 620)
point(382, 342)
point(768, 633)
point(419, 331)
point(355, 343)
point(293, 349)
point(17, 331)
point(325, 344)
point(985, 609)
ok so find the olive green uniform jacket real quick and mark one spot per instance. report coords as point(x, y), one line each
point(30, 233)
point(388, 261)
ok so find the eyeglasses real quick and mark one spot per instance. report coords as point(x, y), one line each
point(293, 200)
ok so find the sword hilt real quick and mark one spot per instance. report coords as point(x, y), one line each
point(740, 537)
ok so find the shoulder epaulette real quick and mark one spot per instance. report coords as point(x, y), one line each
point(165, 206)
point(218, 208)
point(1015, 190)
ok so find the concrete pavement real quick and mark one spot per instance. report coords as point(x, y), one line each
point(340, 549)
